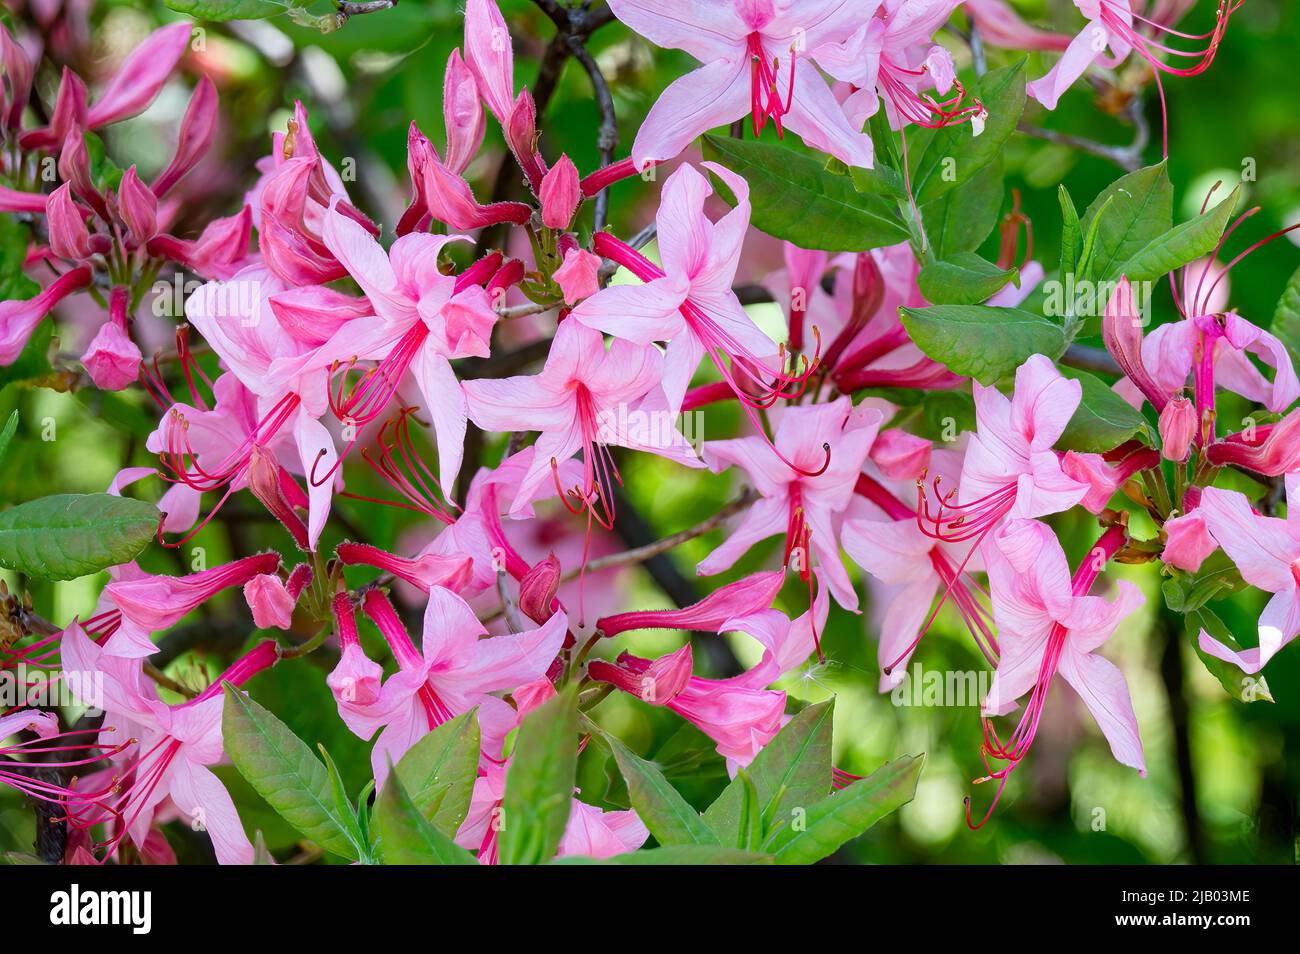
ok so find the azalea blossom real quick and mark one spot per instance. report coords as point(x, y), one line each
point(758, 59)
point(1267, 552)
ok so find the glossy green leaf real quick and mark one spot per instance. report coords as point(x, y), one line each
point(793, 769)
point(66, 536)
point(980, 341)
point(219, 11)
point(1286, 316)
point(846, 814)
point(439, 771)
point(405, 838)
point(1184, 243)
point(1071, 233)
point(670, 818)
point(964, 279)
point(7, 434)
point(961, 219)
point(1103, 420)
point(1138, 210)
point(284, 771)
point(539, 783)
point(795, 198)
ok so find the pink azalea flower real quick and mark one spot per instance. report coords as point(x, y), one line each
point(689, 302)
point(1267, 552)
point(454, 670)
point(1010, 468)
point(49, 749)
point(175, 746)
point(152, 603)
point(892, 57)
point(422, 319)
point(286, 377)
point(828, 444)
point(751, 51)
point(586, 398)
point(1047, 624)
point(739, 718)
point(899, 553)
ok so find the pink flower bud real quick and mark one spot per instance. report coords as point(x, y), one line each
point(113, 360)
point(462, 112)
point(559, 194)
point(142, 75)
point(270, 602)
point(579, 276)
point(139, 207)
point(521, 136)
point(1177, 428)
point(264, 480)
point(489, 55)
point(538, 588)
point(74, 168)
point(1188, 541)
point(69, 237)
point(195, 137)
point(1121, 329)
point(18, 70)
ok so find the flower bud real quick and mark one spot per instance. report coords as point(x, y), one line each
point(559, 194)
point(1177, 428)
point(579, 276)
point(69, 237)
point(538, 588)
point(462, 112)
point(113, 360)
point(270, 602)
point(139, 207)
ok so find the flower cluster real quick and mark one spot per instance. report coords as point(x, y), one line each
point(320, 357)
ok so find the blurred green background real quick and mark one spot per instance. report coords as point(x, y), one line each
point(1223, 776)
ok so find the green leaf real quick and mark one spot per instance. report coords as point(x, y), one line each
point(964, 279)
point(796, 199)
point(846, 814)
point(1241, 686)
point(405, 838)
point(66, 536)
point(1286, 317)
point(981, 341)
point(961, 219)
point(792, 770)
point(539, 783)
point(439, 771)
point(675, 855)
point(670, 818)
point(1103, 420)
point(952, 155)
point(219, 11)
point(7, 434)
point(1184, 243)
point(284, 771)
point(933, 415)
point(1139, 208)
point(1071, 234)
